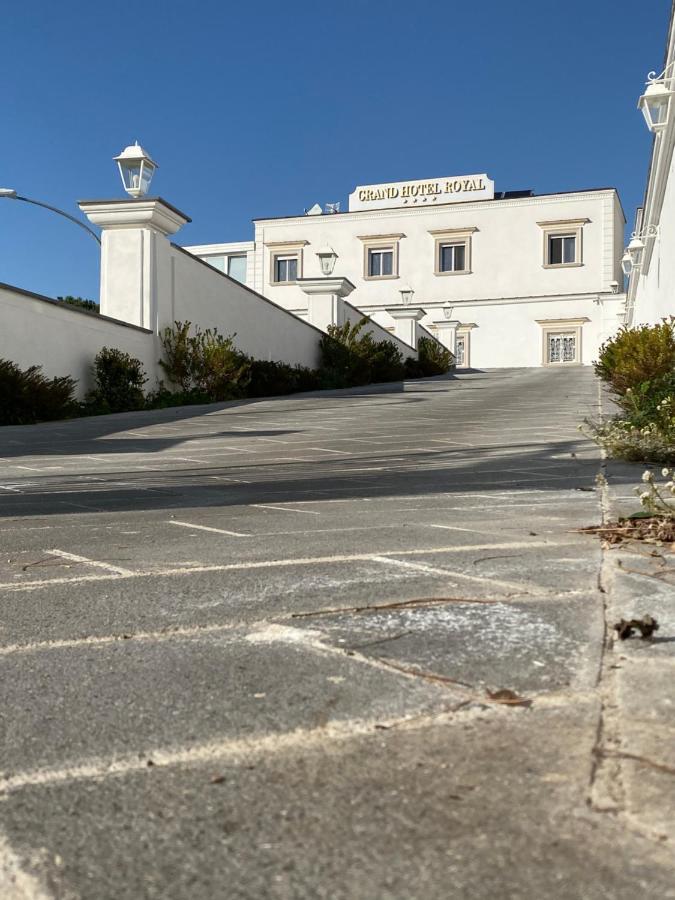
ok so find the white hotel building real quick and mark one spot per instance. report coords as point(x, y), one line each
point(502, 278)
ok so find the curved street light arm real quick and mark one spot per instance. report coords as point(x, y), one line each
point(60, 212)
point(653, 78)
point(649, 231)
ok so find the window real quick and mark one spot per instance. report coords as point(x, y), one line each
point(218, 262)
point(563, 242)
point(562, 341)
point(452, 257)
point(562, 249)
point(380, 255)
point(285, 261)
point(285, 269)
point(561, 347)
point(236, 268)
point(460, 348)
point(380, 262)
point(452, 251)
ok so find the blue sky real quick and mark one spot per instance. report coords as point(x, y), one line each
point(266, 108)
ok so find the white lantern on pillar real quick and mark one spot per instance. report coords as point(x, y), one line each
point(136, 170)
point(327, 257)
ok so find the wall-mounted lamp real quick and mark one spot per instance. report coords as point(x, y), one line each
point(447, 311)
point(406, 293)
point(327, 257)
point(632, 258)
point(655, 102)
point(614, 287)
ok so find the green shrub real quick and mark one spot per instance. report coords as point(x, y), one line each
point(204, 364)
point(119, 381)
point(434, 358)
point(28, 396)
point(350, 358)
point(269, 379)
point(638, 355)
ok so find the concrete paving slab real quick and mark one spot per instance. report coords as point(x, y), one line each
point(102, 700)
point(396, 814)
point(534, 646)
point(348, 499)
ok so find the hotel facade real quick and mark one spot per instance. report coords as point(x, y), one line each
point(502, 278)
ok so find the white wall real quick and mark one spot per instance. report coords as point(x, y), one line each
point(36, 331)
point(655, 288)
point(508, 334)
point(210, 299)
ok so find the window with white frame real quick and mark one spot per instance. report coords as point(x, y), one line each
point(452, 257)
point(562, 249)
point(563, 243)
point(561, 347)
point(380, 262)
point(236, 267)
point(452, 251)
point(460, 351)
point(285, 268)
point(218, 262)
point(380, 255)
point(561, 339)
point(285, 261)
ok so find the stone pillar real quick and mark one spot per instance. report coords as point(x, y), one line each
point(405, 323)
point(325, 300)
point(135, 257)
point(446, 332)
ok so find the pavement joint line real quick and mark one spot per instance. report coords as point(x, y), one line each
point(186, 631)
point(235, 750)
point(207, 528)
point(455, 528)
point(452, 574)
point(108, 567)
point(17, 587)
point(307, 512)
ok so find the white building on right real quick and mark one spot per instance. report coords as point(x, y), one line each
point(649, 260)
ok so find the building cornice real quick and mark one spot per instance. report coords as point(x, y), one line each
point(505, 301)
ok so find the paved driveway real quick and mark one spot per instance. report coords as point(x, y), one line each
point(332, 646)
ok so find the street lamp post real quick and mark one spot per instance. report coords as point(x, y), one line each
point(10, 194)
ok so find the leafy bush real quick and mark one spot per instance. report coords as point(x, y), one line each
point(28, 396)
point(638, 355)
point(349, 358)
point(434, 358)
point(119, 383)
point(269, 379)
point(204, 365)
point(81, 303)
point(638, 365)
